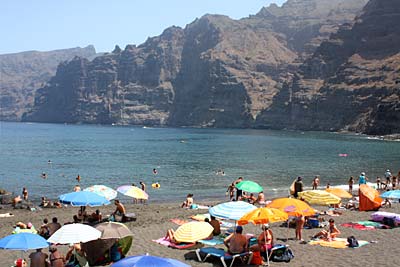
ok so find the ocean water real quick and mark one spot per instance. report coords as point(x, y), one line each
point(187, 159)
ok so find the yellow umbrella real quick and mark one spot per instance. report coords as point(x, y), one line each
point(263, 215)
point(319, 197)
point(292, 206)
point(193, 231)
point(339, 192)
point(132, 191)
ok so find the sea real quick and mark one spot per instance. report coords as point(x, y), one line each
point(188, 160)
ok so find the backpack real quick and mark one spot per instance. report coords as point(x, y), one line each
point(389, 221)
point(286, 256)
point(353, 243)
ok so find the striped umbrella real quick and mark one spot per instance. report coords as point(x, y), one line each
point(132, 191)
point(103, 191)
point(74, 233)
point(231, 210)
point(193, 231)
point(319, 197)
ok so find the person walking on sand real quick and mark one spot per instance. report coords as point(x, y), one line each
point(315, 183)
point(25, 193)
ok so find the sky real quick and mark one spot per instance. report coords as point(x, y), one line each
point(45, 25)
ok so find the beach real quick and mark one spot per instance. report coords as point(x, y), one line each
point(153, 221)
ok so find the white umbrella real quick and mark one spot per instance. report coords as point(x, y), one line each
point(74, 233)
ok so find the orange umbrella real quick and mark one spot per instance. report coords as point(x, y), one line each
point(292, 206)
point(263, 215)
point(339, 192)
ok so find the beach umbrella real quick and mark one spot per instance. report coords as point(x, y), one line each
point(391, 194)
point(83, 198)
point(193, 231)
point(233, 210)
point(148, 261)
point(132, 191)
point(263, 215)
point(74, 233)
point(319, 197)
point(113, 230)
point(103, 191)
point(339, 192)
point(292, 206)
point(23, 241)
point(369, 198)
point(249, 186)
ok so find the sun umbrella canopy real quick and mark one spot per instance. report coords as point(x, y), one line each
point(193, 231)
point(23, 241)
point(293, 207)
point(339, 192)
point(249, 186)
point(74, 233)
point(233, 210)
point(148, 261)
point(103, 191)
point(319, 197)
point(133, 191)
point(391, 194)
point(83, 198)
point(263, 215)
point(113, 230)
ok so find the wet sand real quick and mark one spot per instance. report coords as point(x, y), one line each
point(153, 220)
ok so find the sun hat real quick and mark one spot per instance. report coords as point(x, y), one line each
point(265, 226)
point(363, 173)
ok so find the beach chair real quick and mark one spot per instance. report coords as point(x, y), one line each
point(223, 255)
point(277, 252)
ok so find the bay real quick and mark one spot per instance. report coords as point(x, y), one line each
point(187, 159)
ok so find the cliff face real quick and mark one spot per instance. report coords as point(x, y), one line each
point(22, 73)
point(351, 82)
point(132, 86)
point(309, 65)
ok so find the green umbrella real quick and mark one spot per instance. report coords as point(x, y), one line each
point(249, 186)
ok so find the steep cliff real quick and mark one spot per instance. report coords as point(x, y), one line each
point(217, 72)
point(130, 86)
point(351, 82)
point(22, 73)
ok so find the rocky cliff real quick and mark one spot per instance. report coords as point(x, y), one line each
point(352, 81)
point(216, 72)
point(22, 73)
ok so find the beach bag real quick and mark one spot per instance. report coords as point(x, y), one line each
point(353, 243)
point(286, 256)
point(257, 259)
point(389, 221)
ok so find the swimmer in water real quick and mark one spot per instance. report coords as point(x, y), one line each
point(78, 178)
point(44, 175)
point(49, 162)
point(155, 172)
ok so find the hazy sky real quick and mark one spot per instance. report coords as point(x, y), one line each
point(54, 24)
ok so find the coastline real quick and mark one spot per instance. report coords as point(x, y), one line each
point(153, 220)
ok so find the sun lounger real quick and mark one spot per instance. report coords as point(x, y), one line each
point(222, 255)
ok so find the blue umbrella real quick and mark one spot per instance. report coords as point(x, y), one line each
point(148, 261)
point(23, 241)
point(83, 198)
point(391, 194)
point(231, 210)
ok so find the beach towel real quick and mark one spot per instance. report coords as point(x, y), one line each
point(6, 215)
point(216, 240)
point(358, 226)
point(179, 221)
point(337, 243)
point(166, 242)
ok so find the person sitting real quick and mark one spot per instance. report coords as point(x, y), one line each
point(216, 225)
point(53, 226)
point(252, 199)
point(352, 204)
point(95, 217)
point(119, 210)
point(44, 229)
point(188, 202)
point(236, 242)
point(329, 234)
point(44, 202)
point(265, 241)
point(261, 198)
point(38, 258)
point(56, 258)
point(75, 253)
point(170, 235)
point(82, 214)
point(386, 203)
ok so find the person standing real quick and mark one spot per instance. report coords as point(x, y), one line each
point(238, 191)
point(351, 183)
point(315, 183)
point(362, 179)
point(298, 187)
point(299, 227)
point(56, 258)
point(143, 187)
point(78, 178)
point(25, 193)
point(388, 176)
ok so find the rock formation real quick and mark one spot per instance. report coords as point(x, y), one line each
point(22, 73)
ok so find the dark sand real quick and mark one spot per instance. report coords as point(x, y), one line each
point(153, 222)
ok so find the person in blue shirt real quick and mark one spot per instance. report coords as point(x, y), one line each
point(362, 179)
